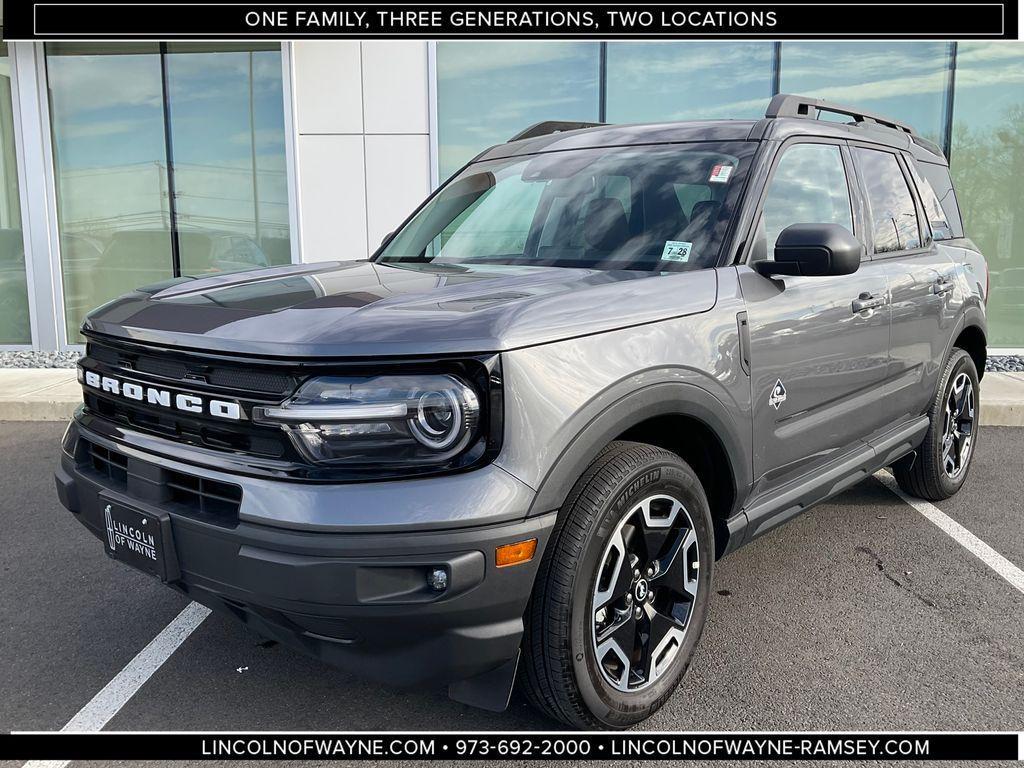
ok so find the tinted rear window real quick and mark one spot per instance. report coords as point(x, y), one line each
point(938, 179)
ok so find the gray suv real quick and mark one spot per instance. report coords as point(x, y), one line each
point(515, 441)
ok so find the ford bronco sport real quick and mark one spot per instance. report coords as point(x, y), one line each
point(518, 437)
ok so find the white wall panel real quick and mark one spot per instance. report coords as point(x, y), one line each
point(328, 86)
point(395, 86)
point(363, 158)
point(397, 180)
point(332, 197)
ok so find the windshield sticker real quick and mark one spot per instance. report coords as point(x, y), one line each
point(676, 250)
point(720, 174)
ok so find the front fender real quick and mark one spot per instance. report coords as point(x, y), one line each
point(662, 399)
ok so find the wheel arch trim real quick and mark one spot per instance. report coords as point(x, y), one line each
point(655, 400)
point(973, 316)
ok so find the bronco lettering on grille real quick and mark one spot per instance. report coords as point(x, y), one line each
point(222, 409)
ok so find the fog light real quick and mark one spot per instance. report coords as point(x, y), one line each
point(513, 554)
point(438, 579)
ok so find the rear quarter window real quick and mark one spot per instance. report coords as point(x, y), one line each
point(940, 185)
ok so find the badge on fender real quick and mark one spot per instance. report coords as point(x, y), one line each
point(778, 395)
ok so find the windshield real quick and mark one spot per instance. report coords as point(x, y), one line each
point(663, 208)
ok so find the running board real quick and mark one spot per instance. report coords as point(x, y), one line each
point(780, 505)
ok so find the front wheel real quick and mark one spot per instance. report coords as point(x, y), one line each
point(622, 592)
point(944, 458)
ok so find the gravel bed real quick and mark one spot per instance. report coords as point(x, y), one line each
point(69, 359)
point(1006, 363)
point(38, 359)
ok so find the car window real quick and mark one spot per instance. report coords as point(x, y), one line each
point(938, 221)
point(498, 221)
point(938, 179)
point(662, 208)
point(894, 224)
point(809, 187)
point(691, 194)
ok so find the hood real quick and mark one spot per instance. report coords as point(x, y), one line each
point(366, 309)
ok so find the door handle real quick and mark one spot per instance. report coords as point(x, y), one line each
point(866, 301)
point(941, 286)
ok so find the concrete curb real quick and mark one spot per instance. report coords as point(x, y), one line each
point(37, 410)
point(38, 394)
point(54, 394)
point(1002, 399)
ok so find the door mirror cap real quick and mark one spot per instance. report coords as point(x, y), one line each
point(814, 250)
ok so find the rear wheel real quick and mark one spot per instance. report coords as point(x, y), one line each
point(944, 458)
point(622, 592)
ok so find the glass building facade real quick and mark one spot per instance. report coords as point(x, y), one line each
point(169, 160)
point(967, 97)
point(14, 311)
point(147, 161)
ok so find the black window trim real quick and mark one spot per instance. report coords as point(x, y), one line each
point(901, 161)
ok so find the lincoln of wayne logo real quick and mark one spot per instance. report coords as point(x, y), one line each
point(133, 539)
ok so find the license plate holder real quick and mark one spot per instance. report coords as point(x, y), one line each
point(139, 538)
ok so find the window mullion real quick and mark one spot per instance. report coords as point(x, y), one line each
point(169, 154)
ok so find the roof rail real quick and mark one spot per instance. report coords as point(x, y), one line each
point(551, 126)
point(790, 105)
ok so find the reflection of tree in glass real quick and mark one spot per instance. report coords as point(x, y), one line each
point(987, 169)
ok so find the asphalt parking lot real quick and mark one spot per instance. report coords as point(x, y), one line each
point(862, 614)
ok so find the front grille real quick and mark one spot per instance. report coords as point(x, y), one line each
point(251, 381)
point(207, 497)
point(240, 438)
point(249, 385)
point(188, 370)
point(110, 464)
point(168, 369)
point(211, 501)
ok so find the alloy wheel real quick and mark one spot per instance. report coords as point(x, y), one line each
point(645, 591)
point(958, 426)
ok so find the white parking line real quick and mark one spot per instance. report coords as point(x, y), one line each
point(126, 683)
point(959, 534)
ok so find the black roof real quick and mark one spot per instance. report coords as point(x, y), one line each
point(787, 115)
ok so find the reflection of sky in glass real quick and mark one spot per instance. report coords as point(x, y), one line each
point(809, 187)
point(226, 121)
point(989, 81)
point(220, 128)
point(488, 92)
point(893, 214)
point(650, 82)
point(906, 81)
point(14, 317)
point(105, 107)
point(107, 117)
point(987, 158)
point(210, 107)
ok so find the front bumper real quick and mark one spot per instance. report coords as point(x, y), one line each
point(358, 600)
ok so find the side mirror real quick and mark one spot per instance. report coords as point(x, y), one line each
point(814, 250)
point(384, 240)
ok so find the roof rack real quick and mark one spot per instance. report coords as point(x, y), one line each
point(790, 105)
point(551, 126)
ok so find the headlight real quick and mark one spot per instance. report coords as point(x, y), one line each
point(416, 420)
